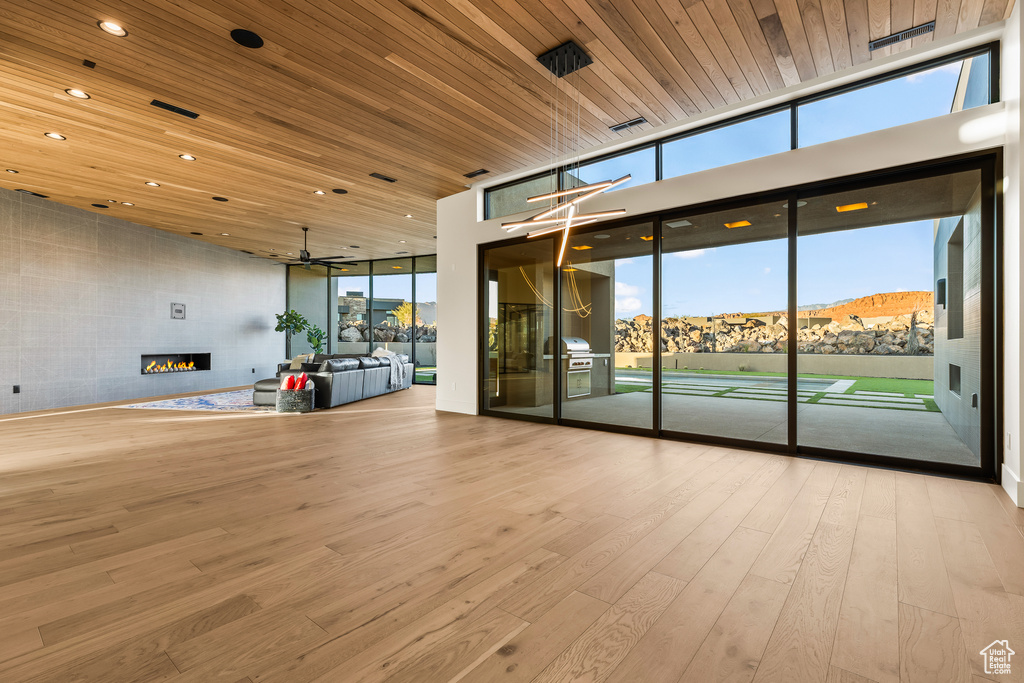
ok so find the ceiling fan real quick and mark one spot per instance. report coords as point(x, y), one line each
point(306, 260)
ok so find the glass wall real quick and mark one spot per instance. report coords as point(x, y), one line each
point(724, 328)
point(876, 343)
point(391, 311)
point(891, 319)
point(607, 307)
point(933, 89)
point(352, 282)
point(426, 320)
point(518, 299)
point(308, 294)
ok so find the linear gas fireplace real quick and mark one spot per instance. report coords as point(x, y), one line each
point(164, 363)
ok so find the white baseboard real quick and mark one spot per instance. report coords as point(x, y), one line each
point(450, 406)
point(1013, 486)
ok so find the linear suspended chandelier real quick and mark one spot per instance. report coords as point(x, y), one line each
point(564, 138)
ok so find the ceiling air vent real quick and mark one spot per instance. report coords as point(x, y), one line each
point(902, 35)
point(628, 124)
point(380, 176)
point(474, 174)
point(34, 194)
point(176, 110)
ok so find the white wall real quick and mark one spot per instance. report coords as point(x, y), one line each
point(1013, 189)
point(460, 231)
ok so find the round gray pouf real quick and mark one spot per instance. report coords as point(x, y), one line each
point(295, 401)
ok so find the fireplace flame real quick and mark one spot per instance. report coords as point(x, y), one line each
point(170, 366)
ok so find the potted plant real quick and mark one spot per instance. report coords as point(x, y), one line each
point(290, 322)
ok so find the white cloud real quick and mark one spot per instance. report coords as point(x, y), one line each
point(622, 289)
point(627, 304)
point(693, 253)
point(953, 68)
point(623, 261)
point(767, 271)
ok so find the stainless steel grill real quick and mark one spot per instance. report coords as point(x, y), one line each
point(577, 361)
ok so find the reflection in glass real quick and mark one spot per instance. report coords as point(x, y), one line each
point(391, 311)
point(607, 338)
point(725, 333)
point(890, 300)
point(426, 320)
point(915, 97)
point(352, 283)
point(638, 163)
point(519, 291)
point(510, 199)
point(759, 137)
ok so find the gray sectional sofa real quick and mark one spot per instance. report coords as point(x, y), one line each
point(339, 379)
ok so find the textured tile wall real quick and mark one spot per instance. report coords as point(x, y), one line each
point(83, 296)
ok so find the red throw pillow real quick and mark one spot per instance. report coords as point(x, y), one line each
point(300, 383)
point(288, 383)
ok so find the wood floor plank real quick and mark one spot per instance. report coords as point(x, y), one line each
point(867, 635)
point(1000, 534)
point(879, 494)
point(800, 647)
point(733, 648)
point(922, 573)
point(931, 647)
point(692, 615)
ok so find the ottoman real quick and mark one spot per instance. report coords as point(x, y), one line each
point(264, 392)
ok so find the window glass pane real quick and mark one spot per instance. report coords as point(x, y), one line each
point(918, 96)
point(308, 295)
point(352, 281)
point(426, 320)
point(639, 163)
point(519, 293)
point(891, 319)
point(725, 332)
point(391, 311)
point(505, 201)
point(606, 353)
point(729, 145)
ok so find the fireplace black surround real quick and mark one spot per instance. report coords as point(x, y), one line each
point(168, 363)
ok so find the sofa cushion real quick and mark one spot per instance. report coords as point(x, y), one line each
point(339, 364)
point(310, 367)
point(271, 384)
point(368, 362)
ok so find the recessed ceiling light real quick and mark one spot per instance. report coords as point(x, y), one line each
point(80, 94)
point(581, 247)
point(195, 233)
point(647, 238)
point(344, 270)
point(246, 38)
point(738, 224)
point(408, 215)
point(219, 199)
point(397, 267)
point(225, 234)
point(112, 28)
point(401, 241)
point(290, 253)
point(112, 201)
point(852, 207)
point(186, 157)
point(127, 204)
point(55, 136)
point(152, 184)
point(601, 237)
point(319, 192)
point(100, 206)
point(338, 190)
point(11, 170)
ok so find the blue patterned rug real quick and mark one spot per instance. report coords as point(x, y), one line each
point(229, 401)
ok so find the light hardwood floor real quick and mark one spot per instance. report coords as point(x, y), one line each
point(386, 541)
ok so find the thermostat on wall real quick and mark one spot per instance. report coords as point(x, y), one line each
point(177, 311)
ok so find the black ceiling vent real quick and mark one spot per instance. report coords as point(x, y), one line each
point(339, 191)
point(246, 38)
point(219, 199)
point(34, 194)
point(901, 36)
point(88, 64)
point(565, 59)
point(100, 206)
point(381, 176)
point(474, 174)
point(628, 124)
point(195, 233)
point(176, 110)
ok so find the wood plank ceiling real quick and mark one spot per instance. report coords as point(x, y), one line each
point(422, 91)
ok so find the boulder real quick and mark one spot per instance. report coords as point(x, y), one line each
point(350, 334)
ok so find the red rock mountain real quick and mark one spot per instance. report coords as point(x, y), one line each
point(876, 305)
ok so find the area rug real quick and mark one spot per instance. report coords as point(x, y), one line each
point(229, 401)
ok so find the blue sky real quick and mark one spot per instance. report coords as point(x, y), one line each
point(833, 266)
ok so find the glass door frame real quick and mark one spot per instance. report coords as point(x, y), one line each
point(988, 163)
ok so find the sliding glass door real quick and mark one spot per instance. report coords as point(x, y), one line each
point(852, 320)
